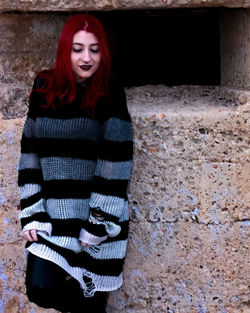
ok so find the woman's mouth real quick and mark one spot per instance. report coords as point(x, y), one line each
point(85, 67)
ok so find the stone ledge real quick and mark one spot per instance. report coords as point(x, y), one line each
point(98, 5)
point(150, 98)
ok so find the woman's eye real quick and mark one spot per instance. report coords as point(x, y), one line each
point(76, 50)
point(94, 51)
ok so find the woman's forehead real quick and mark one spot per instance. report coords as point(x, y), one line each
point(84, 37)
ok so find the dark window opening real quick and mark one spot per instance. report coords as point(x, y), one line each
point(171, 47)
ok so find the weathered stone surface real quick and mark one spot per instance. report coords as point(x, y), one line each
point(79, 5)
point(190, 159)
point(235, 48)
point(28, 44)
point(189, 232)
point(185, 267)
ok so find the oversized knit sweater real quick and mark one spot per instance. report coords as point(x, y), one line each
point(74, 165)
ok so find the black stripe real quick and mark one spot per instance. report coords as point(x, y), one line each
point(24, 203)
point(42, 217)
point(28, 145)
point(30, 176)
point(74, 148)
point(68, 188)
point(116, 151)
point(66, 227)
point(95, 229)
point(85, 149)
point(112, 187)
point(112, 267)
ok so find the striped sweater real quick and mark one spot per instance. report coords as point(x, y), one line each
point(73, 175)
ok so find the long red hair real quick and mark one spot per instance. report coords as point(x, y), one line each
point(60, 82)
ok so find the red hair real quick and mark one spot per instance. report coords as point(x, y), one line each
point(60, 82)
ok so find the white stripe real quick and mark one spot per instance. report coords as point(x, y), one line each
point(29, 190)
point(70, 243)
point(109, 204)
point(39, 226)
point(33, 209)
point(90, 239)
point(109, 250)
point(112, 205)
point(102, 283)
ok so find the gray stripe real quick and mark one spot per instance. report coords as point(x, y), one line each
point(82, 128)
point(29, 160)
point(117, 130)
point(67, 168)
point(125, 213)
point(68, 208)
point(113, 170)
point(110, 250)
point(29, 127)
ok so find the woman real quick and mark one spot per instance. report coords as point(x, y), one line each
point(76, 160)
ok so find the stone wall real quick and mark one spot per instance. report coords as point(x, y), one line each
point(80, 5)
point(189, 231)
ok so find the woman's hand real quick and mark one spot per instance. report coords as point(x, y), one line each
point(30, 235)
point(86, 244)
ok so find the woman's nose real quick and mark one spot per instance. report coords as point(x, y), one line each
point(85, 57)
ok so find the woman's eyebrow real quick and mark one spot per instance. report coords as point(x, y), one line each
point(80, 44)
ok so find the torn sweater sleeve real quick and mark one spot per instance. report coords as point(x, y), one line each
point(112, 174)
point(33, 214)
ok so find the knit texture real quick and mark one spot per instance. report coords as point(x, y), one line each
point(74, 171)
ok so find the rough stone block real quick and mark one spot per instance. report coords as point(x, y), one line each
point(28, 44)
point(188, 243)
point(78, 5)
point(235, 49)
point(185, 267)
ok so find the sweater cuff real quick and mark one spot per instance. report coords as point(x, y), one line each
point(89, 238)
point(39, 226)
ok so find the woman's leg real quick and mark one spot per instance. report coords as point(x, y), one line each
point(46, 284)
point(95, 304)
point(81, 304)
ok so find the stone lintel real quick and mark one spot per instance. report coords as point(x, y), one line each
point(100, 5)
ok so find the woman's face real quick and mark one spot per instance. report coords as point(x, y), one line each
point(85, 55)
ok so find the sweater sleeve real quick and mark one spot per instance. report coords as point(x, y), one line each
point(33, 214)
point(112, 174)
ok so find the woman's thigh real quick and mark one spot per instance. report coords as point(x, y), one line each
point(45, 283)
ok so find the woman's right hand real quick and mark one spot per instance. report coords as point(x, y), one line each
point(30, 235)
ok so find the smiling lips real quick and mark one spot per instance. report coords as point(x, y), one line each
point(85, 67)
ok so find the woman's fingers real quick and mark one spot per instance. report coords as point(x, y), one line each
point(33, 234)
point(85, 244)
point(30, 235)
